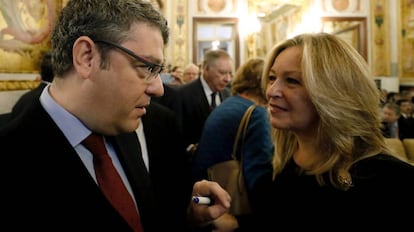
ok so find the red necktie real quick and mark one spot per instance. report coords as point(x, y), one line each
point(111, 183)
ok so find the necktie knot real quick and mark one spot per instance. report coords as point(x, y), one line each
point(95, 144)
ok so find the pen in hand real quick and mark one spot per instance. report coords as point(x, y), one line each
point(201, 200)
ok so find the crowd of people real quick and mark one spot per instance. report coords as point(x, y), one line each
point(398, 115)
point(315, 155)
point(177, 75)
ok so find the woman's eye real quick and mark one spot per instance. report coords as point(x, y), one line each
point(292, 80)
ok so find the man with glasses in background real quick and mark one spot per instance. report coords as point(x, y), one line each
point(106, 58)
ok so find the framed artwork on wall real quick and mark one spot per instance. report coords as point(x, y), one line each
point(352, 29)
point(25, 28)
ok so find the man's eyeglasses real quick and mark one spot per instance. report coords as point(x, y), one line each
point(152, 70)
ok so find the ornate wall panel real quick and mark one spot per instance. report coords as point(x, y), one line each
point(380, 42)
point(179, 33)
point(406, 39)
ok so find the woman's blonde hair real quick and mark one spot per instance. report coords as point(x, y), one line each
point(344, 93)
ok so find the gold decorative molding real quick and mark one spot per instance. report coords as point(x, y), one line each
point(9, 85)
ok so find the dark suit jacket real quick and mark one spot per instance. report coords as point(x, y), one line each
point(5, 118)
point(406, 127)
point(195, 109)
point(169, 99)
point(168, 165)
point(28, 98)
point(385, 129)
point(46, 187)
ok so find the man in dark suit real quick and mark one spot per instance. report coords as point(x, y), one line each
point(170, 99)
point(390, 125)
point(166, 160)
point(106, 68)
point(195, 96)
point(406, 120)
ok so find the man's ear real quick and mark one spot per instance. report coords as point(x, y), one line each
point(84, 55)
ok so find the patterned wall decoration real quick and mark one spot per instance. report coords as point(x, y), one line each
point(341, 6)
point(216, 7)
point(179, 40)
point(381, 61)
point(406, 39)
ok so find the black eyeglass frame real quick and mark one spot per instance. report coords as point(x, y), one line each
point(154, 69)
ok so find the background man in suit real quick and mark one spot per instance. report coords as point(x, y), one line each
point(406, 120)
point(169, 98)
point(106, 68)
point(196, 97)
point(390, 125)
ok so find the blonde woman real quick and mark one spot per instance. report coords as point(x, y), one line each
point(331, 163)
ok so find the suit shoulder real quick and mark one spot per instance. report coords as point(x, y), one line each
point(190, 86)
point(156, 108)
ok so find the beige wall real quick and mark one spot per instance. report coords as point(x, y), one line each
point(8, 98)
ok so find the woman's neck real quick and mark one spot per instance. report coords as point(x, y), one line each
point(307, 156)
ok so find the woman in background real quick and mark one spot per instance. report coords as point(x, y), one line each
point(219, 132)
